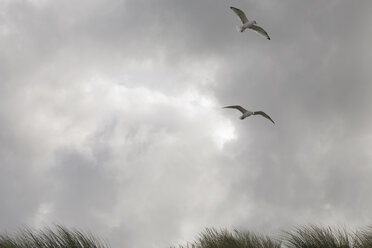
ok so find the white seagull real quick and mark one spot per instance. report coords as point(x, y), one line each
point(247, 113)
point(248, 24)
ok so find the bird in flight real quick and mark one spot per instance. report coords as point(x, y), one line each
point(247, 113)
point(248, 24)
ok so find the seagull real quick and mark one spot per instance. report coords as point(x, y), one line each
point(248, 24)
point(247, 113)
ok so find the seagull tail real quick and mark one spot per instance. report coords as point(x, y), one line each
point(240, 28)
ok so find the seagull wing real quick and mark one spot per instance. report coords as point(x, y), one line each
point(241, 14)
point(238, 107)
point(260, 30)
point(264, 115)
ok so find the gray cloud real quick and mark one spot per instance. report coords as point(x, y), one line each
point(111, 119)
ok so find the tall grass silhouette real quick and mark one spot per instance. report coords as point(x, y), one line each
point(60, 237)
point(314, 236)
point(213, 238)
point(327, 237)
point(301, 237)
point(363, 239)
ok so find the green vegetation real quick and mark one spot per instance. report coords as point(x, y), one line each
point(212, 238)
point(58, 238)
point(302, 237)
point(313, 236)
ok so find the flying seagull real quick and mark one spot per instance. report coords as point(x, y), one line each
point(248, 24)
point(247, 113)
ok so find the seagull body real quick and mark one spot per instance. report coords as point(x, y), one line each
point(247, 113)
point(248, 24)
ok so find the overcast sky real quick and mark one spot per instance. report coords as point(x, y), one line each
point(111, 116)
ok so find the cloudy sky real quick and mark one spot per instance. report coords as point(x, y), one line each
point(111, 118)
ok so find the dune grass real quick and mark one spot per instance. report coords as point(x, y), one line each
point(59, 237)
point(213, 238)
point(327, 237)
point(301, 237)
point(363, 239)
point(314, 236)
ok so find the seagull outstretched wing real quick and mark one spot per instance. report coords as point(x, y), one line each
point(264, 115)
point(238, 107)
point(241, 14)
point(260, 30)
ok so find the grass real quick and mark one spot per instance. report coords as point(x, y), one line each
point(212, 238)
point(60, 237)
point(301, 237)
point(313, 236)
point(363, 238)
